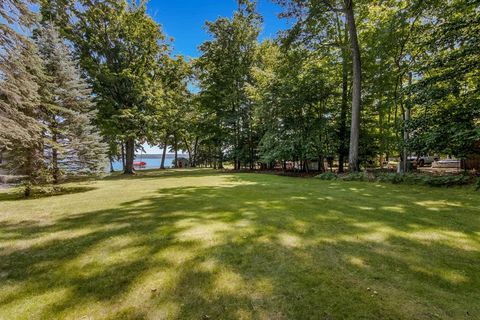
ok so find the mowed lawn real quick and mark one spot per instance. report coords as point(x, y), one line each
point(196, 244)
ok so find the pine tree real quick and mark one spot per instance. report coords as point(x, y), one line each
point(75, 146)
point(14, 14)
point(86, 152)
point(19, 97)
point(21, 128)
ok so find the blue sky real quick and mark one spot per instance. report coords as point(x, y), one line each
point(184, 20)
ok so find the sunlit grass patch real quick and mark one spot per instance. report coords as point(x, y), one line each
point(196, 244)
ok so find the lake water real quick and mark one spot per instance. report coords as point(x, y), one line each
point(151, 163)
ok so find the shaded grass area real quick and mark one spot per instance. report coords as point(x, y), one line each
point(196, 244)
point(43, 192)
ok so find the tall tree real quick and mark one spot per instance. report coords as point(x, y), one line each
point(446, 95)
point(353, 159)
point(225, 70)
point(15, 14)
point(293, 106)
point(172, 104)
point(21, 115)
point(76, 146)
point(119, 46)
point(16, 50)
point(321, 18)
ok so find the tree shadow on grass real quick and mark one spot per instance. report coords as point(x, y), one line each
point(60, 190)
point(163, 173)
point(254, 250)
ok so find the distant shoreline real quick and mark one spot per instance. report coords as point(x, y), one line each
point(159, 156)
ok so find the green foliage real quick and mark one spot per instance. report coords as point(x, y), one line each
point(14, 14)
point(327, 176)
point(75, 146)
point(394, 178)
point(293, 104)
point(447, 95)
point(21, 72)
point(45, 108)
point(433, 41)
point(354, 176)
point(224, 71)
point(124, 60)
point(428, 180)
point(285, 99)
point(399, 178)
point(22, 113)
point(447, 181)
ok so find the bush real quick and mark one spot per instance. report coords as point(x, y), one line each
point(391, 178)
point(477, 185)
point(407, 178)
point(355, 176)
point(412, 178)
point(327, 176)
point(447, 181)
point(433, 181)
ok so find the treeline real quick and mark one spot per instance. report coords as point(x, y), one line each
point(84, 82)
point(352, 81)
point(413, 65)
point(140, 90)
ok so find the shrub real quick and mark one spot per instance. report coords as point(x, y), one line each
point(447, 181)
point(327, 176)
point(391, 178)
point(412, 178)
point(355, 176)
point(406, 178)
point(433, 181)
point(477, 185)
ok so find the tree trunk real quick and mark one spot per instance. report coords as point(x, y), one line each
point(237, 141)
point(55, 170)
point(123, 156)
point(406, 135)
point(189, 150)
point(321, 164)
point(353, 158)
point(164, 153)
point(343, 122)
point(176, 151)
point(129, 156)
point(29, 172)
point(210, 160)
point(195, 148)
point(250, 141)
point(381, 117)
point(220, 159)
point(216, 158)
point(343, 110)
point(111, 165)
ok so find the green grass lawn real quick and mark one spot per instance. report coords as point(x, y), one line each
point(197, 244)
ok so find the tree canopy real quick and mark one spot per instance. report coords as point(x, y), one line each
point(363, 80)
